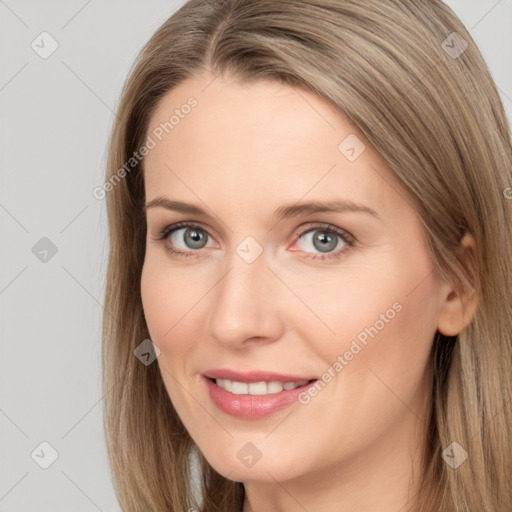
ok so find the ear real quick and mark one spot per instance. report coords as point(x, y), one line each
point(458, 304)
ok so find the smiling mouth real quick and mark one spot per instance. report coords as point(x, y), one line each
point(259, 388)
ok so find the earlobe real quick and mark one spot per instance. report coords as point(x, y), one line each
point(458, 307)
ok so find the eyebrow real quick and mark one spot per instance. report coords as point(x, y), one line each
point(285, 211)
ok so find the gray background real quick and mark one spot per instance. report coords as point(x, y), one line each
point(56, 115)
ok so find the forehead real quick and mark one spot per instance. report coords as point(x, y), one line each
point(242, 141)
point(240, 110)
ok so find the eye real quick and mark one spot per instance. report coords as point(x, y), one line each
point(188, 238)
point(329, 240)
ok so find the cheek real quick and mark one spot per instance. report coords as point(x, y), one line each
point(375, 369)
point(169, 299)
point(384, 317)
point(391, 368)
point(352, 304)
point(169, 304)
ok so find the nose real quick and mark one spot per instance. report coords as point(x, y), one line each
point(248, 304)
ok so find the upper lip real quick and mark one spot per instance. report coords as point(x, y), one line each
point(254, 376)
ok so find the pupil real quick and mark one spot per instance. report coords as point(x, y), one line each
point(194, 238)
point(323, 237)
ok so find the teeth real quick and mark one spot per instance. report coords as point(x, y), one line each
point(257, 388)
point(239, 388)
point(274, 387)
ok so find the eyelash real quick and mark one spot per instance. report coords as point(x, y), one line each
point(347, 238)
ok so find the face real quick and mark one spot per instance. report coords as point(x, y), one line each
point(248, 283)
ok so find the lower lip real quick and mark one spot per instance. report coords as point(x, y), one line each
point(253, 406)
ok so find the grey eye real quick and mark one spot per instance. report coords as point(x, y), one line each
point(322, 240)
point(192, 237)
point(325, 241)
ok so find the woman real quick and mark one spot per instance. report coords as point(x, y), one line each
point(310, 266)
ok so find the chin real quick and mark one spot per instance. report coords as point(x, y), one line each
point(243, 465)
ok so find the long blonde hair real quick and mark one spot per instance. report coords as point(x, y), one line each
point(401, 72)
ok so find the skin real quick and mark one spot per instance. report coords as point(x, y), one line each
point(354, 445)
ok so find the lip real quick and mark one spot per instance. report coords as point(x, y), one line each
point(253, 406)
point(254, 376)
